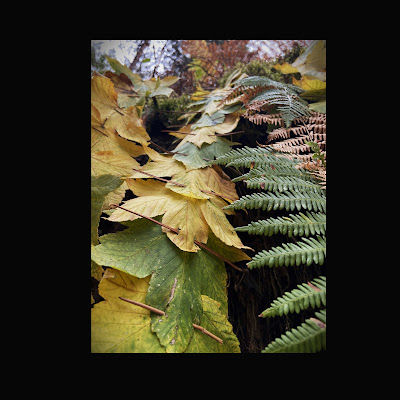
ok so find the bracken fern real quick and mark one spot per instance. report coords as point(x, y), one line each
point(289, 174)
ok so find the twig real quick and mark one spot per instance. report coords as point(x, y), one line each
point(226, 134)
point(160, 179)
point(176, 231)
point(183, 133)
point(147, 307)
point(145, 216)
point(180, 112)
point(205, 331)
point(167, 151)
point(157, 311)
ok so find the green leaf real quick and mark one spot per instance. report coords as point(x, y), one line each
point(178, 279)
point(318, 107)
point(194, 157)
point(146, 60)
point(101, 186)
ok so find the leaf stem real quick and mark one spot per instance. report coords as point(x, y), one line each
point(157, 311)
point(183, 133)
point(147, 307)
point(160, 179)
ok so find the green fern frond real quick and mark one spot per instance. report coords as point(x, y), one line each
point(307, 295)
point(253, 157)
point(288, 103)
point(259, 92)
point(245, 151)
point(296, 225)
point(278, 201)
point(282, 183)
point(259, 161)
point(306, 252)
point(277, 170)
point(309, 337)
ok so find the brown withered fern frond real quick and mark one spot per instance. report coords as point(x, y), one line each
point(259, 119)
point(293, 139)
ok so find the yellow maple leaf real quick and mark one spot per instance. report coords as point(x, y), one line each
point(286, 68)
point(108, 157)
point(220, 226)
point(131, 148)
point(158, 165)
point(125, 122)
point(103, 96)
point(191, 181)
point(117, 326)
point(185, 215)
point(309, 83)
point(128, 125)
point(188, 210)
point(111, 154)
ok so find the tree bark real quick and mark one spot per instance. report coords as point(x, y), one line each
point(139, 53)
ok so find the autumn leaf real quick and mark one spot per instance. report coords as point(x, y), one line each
point(185, 215)
point(188, 183)
point(143, 249)
point(158, 165)
point(313, 61)
point(286, 68)
point(127, 96)
point(125, 122)
point(128, 125)
point(119, 327)
point(314, 89)
point(185, 209)
point(161, 86)
point(221, 227)
point(122, 69)
point(195, 157)
point(115, 197)
point(123, 145)
point(309, 83)
point(108, 157)
point(103, 96)
point(216, 322)
point(207, 134)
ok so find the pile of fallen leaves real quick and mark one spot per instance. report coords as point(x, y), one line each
point(171, 256)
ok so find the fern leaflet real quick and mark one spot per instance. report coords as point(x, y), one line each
point(306, 252)
point(282, 183)
point(309, 337)
point(296, 225)
point(278, 201)
point(307, 295)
